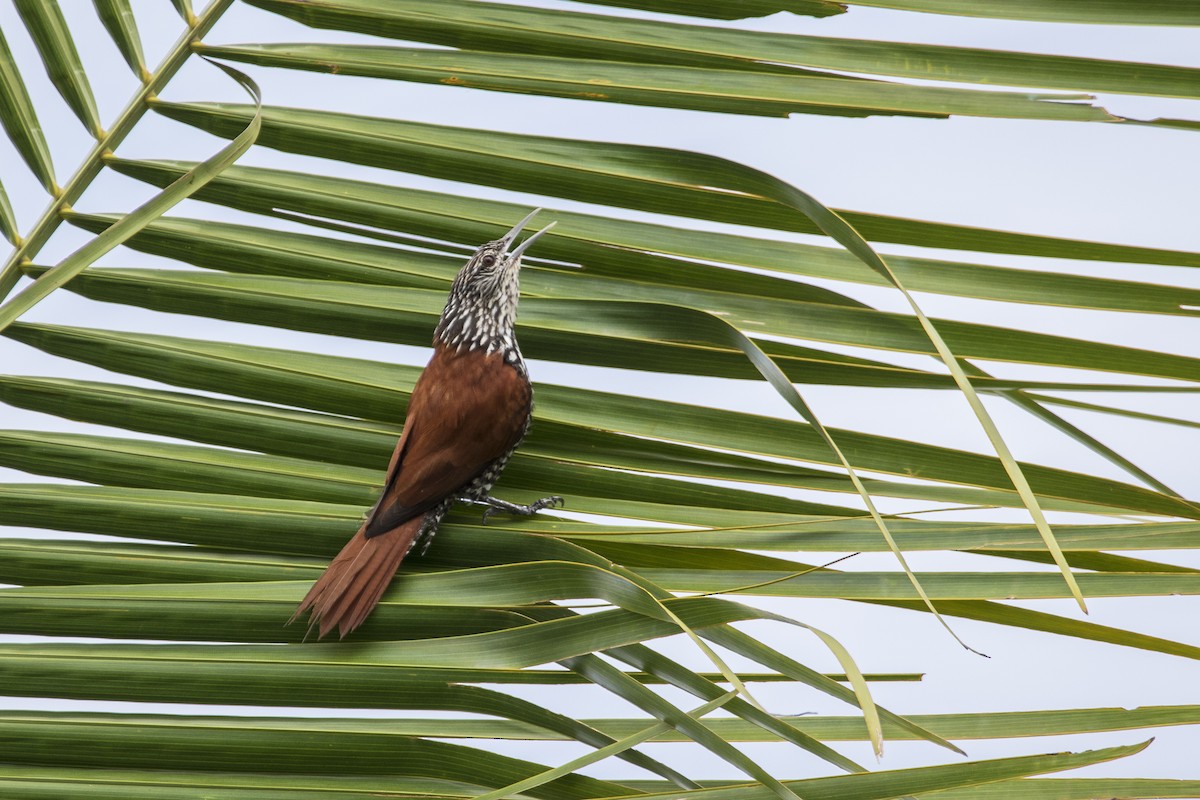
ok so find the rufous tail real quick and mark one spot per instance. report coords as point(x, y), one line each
point(356, 578)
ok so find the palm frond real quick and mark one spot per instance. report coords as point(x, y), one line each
point(242, 436)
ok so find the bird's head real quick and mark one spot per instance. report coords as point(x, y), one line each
point(494, 267)
point(483, 299)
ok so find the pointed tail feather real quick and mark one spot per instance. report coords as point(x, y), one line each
point(356, 578)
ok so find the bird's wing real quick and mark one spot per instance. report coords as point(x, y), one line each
point(467, 410)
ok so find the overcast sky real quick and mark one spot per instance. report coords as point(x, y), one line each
point(1125, 184)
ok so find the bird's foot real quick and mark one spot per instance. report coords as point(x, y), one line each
point(495, 506)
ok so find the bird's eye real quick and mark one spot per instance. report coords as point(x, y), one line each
point(489, 260)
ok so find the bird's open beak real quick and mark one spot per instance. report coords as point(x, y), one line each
point(515, 255)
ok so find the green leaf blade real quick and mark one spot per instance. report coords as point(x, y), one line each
point(118, 19)
point(726, 91)
point(21, 122)
point(48, 27)
point(471, 26)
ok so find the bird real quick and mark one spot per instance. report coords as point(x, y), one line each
point(470, 409)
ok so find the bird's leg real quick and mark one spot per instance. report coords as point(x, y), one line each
point(496, 505)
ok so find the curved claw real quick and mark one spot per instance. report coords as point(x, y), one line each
point(487, 512)
point(552, 501)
